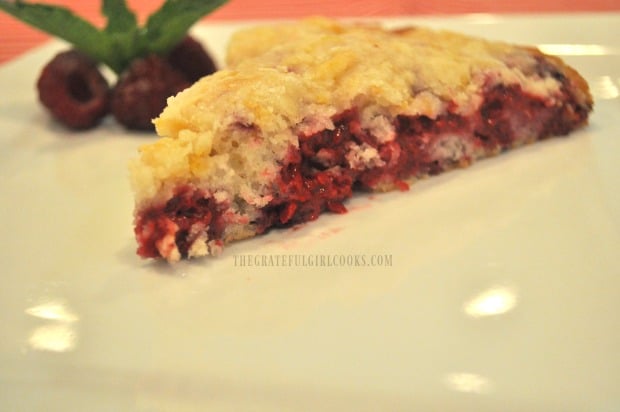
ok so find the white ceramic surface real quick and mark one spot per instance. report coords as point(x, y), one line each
point(500, 289)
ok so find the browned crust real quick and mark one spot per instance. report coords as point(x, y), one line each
point(579, 86)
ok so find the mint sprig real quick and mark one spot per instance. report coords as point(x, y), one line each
point(122, 33)
point(122, 40)
point(167, 26)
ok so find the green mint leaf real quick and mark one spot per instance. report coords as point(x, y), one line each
point(169, 25)
point(122, 31)
point(122, 40)
point(120, 18)
point(64, 24)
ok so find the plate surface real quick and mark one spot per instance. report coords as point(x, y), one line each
point(491, 288)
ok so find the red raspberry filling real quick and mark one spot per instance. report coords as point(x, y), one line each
point(317, 177)
point(185, 210)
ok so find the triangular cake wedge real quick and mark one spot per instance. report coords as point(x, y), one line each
point(306, 113)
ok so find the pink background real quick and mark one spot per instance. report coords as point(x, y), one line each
point(17, 38)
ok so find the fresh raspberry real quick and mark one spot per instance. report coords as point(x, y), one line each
point(142, 90)
point(74, 91)
point(190, 58)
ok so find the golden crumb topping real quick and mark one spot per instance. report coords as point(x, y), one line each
point(229, 131)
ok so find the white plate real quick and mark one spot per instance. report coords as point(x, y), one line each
point(500, 288)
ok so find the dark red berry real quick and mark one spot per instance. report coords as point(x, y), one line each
point(74, 91)
point(191, 58)
point(142, 90)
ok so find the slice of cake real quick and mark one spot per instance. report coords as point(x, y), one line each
point(307, 113)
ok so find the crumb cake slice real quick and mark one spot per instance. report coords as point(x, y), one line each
point(306, 113)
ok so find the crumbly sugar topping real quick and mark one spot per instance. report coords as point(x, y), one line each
point(230, 131)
